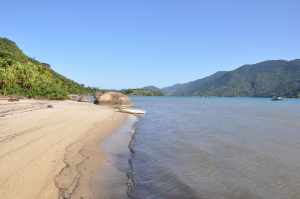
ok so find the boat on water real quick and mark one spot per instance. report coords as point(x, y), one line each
point(132, 111)
point(277, 98)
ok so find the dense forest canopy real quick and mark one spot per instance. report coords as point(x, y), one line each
point(21, 75)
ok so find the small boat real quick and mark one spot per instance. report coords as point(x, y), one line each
point(132, 111)
point(277, 98)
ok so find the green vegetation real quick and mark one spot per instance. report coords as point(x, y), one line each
point(264, 79)
point(146, 91)
point(21, 75)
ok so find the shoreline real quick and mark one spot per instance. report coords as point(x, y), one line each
point(54, 149)
point(111, 180)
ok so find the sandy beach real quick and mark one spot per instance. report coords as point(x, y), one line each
point(52, 151)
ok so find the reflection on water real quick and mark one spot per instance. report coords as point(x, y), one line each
point(216, 148)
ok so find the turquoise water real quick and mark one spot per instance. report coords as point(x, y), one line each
point(216, 148)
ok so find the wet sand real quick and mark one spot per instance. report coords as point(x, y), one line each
point(52, 152)
point(113, 174)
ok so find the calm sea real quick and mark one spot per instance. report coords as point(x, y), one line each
point(216, 148)
point(208, 148)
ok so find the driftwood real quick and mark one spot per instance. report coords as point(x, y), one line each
point(10, 98)
point(13, 99)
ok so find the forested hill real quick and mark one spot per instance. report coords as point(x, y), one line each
point(21, 75)
point(264, 79)
point(145, 91)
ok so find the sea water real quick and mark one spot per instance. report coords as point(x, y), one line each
point(215, 148)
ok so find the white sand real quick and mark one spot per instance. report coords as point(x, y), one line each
point(44, 151)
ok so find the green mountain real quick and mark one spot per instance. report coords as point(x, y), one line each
point(264, 79)
point(145, 91)
point(21, 75)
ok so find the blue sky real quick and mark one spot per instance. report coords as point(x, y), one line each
point(134, 43)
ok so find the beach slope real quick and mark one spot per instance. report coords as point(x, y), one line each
point(51, 149)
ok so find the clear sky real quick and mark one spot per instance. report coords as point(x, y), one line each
point(134, 43)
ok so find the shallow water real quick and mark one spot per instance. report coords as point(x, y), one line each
point(111, 180)
point(216, 148)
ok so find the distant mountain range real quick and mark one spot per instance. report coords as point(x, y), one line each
point(24, 76)
point(264, 79)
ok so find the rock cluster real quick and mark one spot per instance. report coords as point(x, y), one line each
point(113, 99)
point(104, 98)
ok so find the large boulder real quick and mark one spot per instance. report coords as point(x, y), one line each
point(98, 94)
point(113, 99)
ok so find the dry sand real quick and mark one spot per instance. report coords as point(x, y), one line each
point(52, 152)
